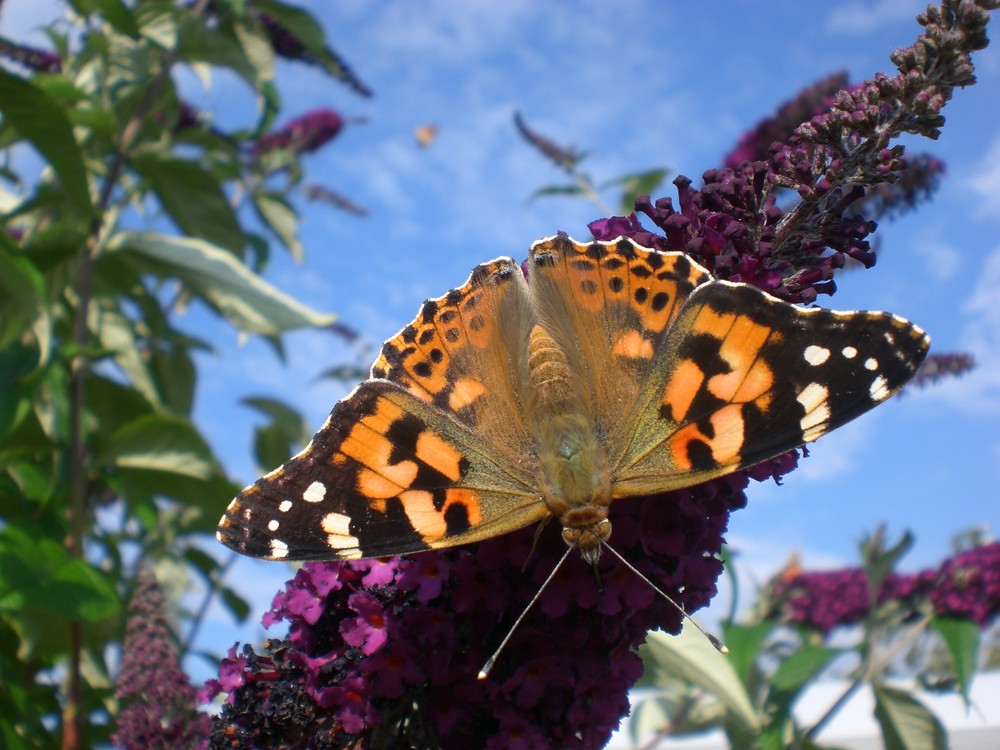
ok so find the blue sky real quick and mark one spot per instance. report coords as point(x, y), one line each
point(637, 84)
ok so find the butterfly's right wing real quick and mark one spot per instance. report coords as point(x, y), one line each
point(431, 452)
point(387, 474)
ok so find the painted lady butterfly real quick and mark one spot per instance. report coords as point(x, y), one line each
point(612, 371)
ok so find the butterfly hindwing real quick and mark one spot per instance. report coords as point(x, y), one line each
point(387, 474)
point(746, 377)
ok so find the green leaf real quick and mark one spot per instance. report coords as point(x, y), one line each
point(160, 443)
point(278, 215)
point(273, 443)
point(906, 723)
point(116, 13)
point(280, 413)
point(877, 561)
point(175, 375)
point(193, 198)
point(257, 50)
point(221, 280)
point(675, 713)
point(216, 46)
point(157, 22)
point(555, 190)
point(691, 658)
point(42, 586)
point(235, 603)
point(962, 639)
point(801, 666)
point(744, 643)
point(44, 124)
point(297, 22)
point(635, 185)
point(117, 334)
point(22, 304)
point(791, 676)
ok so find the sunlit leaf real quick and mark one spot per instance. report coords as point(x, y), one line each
point(193, 198)
point(690, 657)
point(43, 123)
point(962, 639)
point(217, 276)
point(906, 723)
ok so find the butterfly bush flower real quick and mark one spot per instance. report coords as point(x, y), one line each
point(32, 58)
point(393, 648)
point(733, 224)
point(965, 586)
point(386, 653)
point(304, 134)
point(157, 700)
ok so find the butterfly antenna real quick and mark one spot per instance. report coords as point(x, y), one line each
point(485, 671)
point(719, 645)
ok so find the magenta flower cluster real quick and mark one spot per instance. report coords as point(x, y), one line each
point(392, 648)
point(304, 134)
point(158, 708)
point(965, 586)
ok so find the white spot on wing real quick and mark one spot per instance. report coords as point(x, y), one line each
point(871, 364)
point(278, 549)
point(814, 400)
point(314, 493)
point(339, 537)
point(285, 506)
point(336, 523)
point(816, 355)
point(246, 514)
point(879, 389)
point(849, 352)
point(272, 525)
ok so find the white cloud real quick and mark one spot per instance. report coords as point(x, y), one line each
point(864, 17)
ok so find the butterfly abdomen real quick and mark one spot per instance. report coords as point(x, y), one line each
point(572, 463)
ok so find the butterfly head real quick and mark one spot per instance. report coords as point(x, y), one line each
point(588, 537)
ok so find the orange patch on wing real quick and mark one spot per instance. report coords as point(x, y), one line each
point(633, 345)
point(465, 392)
point(714, 324)
point(439, 454)
point(683, 386)
point(679, 445)
point(749, 377)
point(467, 498)
point(435, 382)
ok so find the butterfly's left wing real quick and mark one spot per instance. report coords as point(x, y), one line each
point(743, 377)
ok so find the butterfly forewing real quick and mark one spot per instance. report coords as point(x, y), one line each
point(747, 377)
point(428, 453)
point(465, 352)
point(608, 304)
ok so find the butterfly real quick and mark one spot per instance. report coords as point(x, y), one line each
point(600, 371)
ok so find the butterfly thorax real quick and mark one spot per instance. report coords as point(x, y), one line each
point(572, 464)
